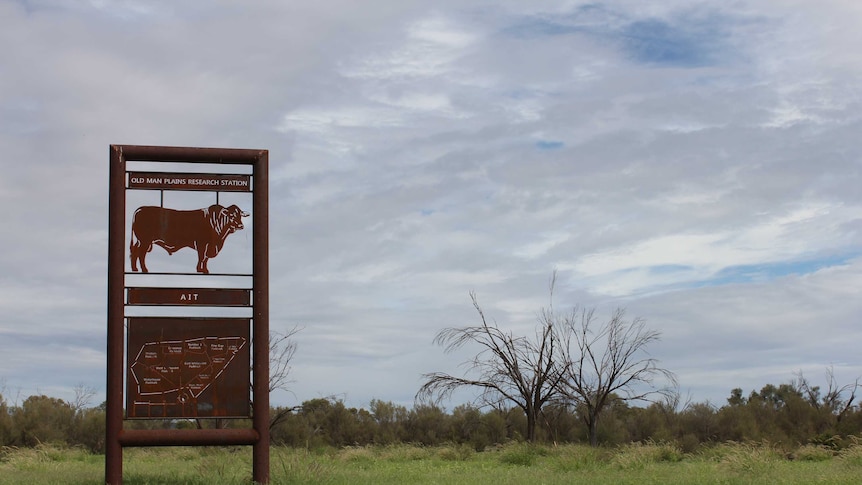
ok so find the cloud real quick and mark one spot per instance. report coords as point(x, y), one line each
point(752, 333)
point(696, 163)
point(783, 243)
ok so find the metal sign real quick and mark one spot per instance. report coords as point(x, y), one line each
point(189, 181)
point(204, 230)
point(182, 366)
point(188, 296)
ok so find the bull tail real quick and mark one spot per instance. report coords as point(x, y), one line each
point(136, 250)
point(133, 245)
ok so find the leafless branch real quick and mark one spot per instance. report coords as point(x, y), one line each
point(83, 395)
point(610, 361)
point(282, 348)
point(507, 368)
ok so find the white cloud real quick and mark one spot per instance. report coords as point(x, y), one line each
point(429, 49)
point(798, 235)
point(420, 152)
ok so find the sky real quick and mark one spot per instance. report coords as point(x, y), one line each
point(692, 162)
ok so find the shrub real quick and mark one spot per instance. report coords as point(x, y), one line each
point(520, 454)
point(750, 458)
point(404, 452)
point(456, 452)
point(852, 455)
point(813, 453)
point(581, 457)
point(356, 454)
point(637, 455)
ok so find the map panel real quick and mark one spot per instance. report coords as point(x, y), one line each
point(188, 367)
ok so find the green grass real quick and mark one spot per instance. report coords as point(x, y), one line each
point(514, 463)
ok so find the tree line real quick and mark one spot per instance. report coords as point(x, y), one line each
point(788, 414)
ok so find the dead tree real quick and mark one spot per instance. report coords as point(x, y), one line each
point(836, 402)
point(609, 362)
point(508, 369)
point(282, 348)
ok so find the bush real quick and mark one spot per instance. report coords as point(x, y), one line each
point(356, 454)
point(581, 457)
point(405, 452)
point(852, 455)
point(456, 452)
point(89, 430)
point(43, 419)
point(813, 453)
point(521, 454)
point(635, 456)
point(750, 458)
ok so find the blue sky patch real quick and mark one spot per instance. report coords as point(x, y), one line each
point(689, 39)
point(685, 43)
point(752, 273)
point(741, 274)
point(669, 268)
point(549, 145)
point(590, 19)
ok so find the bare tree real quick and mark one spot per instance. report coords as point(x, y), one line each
point(605, 363)
point(833, 401)
point(83, 395)
point(508, 369)
point(282, 348)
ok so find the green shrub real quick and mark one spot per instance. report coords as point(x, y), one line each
point(813, 453)
point(852, 455)
point(356, 454)
point(580, 457)
point(520, 454)
point(455, 452)
point(638, 455)
point(750, 458)
point(404, 452)
point(299, 466)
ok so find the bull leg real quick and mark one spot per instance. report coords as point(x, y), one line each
point(142, 256)
point(133, 255)
point(202, 260)
point(138, 253)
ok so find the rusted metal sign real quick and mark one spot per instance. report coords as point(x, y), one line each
point(189, 296)
point(190, 181)
point(204, 230)
point(181, 367)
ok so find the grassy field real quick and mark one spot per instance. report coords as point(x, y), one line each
point(511, 464)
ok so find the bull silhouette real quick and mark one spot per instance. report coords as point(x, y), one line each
point(204, 230)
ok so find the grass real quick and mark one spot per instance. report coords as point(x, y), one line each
point(514, 463)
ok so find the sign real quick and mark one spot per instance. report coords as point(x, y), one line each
point(190, 181)
point(189, 296)
point(204, 230)
point(185, 360)
point(182, 367)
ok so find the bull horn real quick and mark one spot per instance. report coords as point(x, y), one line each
point(245, 214)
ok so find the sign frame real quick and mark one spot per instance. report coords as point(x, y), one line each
point(258, 435)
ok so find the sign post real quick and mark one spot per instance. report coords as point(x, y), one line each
point(178, 366)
